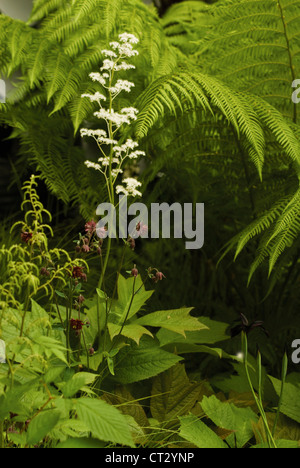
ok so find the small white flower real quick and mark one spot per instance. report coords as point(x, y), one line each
point(109, 53)
point(116, 118)
point(98, 77)
point(94, 97)
point(130, 143)
point(131, 187)
point(107, 141)
point(121, 85)
point(107, 65)
point(93, 165)
point(114, 44)
point(116, 172)
point(124, 66)
point(126, 37)
point(126, 50)
point(136, 154)
point(104, 161)
point(130, 112)
point(92, 133)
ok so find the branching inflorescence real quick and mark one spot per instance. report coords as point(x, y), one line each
point(111, 162)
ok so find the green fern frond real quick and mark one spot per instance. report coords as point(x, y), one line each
point(254, 45)
point(184, 90)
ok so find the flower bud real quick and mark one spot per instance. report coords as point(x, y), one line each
point(26, 236)
point(158, 276)
point(80, 299)
point(131, 243)
point(134, 272)
point(44, 271)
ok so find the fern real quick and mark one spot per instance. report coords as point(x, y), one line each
point(254, 45)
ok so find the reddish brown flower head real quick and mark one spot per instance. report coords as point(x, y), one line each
point(76, 324)
point(79, 273)
point(90, 227)
point(26, 236)
point(85, 248)
point(158, 276)
point(44, 272)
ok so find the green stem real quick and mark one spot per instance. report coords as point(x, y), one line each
point(283, 377)
point(258, 401)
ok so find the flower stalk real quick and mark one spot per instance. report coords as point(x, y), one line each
point(111, 161)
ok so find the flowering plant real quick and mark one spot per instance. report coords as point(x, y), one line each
point(111, 161)
point(116, 319)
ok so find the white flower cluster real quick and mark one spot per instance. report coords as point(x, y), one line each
point(115, 61)
point(130, 189)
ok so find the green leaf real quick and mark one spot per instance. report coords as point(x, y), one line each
point(137, 363)
point(228, 416)
point(41, 425)
point(198, 433)
point(211, 332)
point(132, 331)
point(173, 394)
point(77, 382)
point(290, 403)
point(176, 320)
point(104, 421)
point(126, 289)
point(60, 294)
point(53, 373)
point(280, 443)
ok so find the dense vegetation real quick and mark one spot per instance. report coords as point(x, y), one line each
point(140, 342)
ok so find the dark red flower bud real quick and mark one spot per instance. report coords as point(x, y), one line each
point(85, 248)
point(158, 276)
point(44, 271)
point(134, 272)
point(90, 227)
point(78, 273)
point(26, 236)
point(91, 351)
point(76, 324)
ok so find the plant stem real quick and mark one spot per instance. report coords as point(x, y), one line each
point(258, 401)
point(283, 377)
